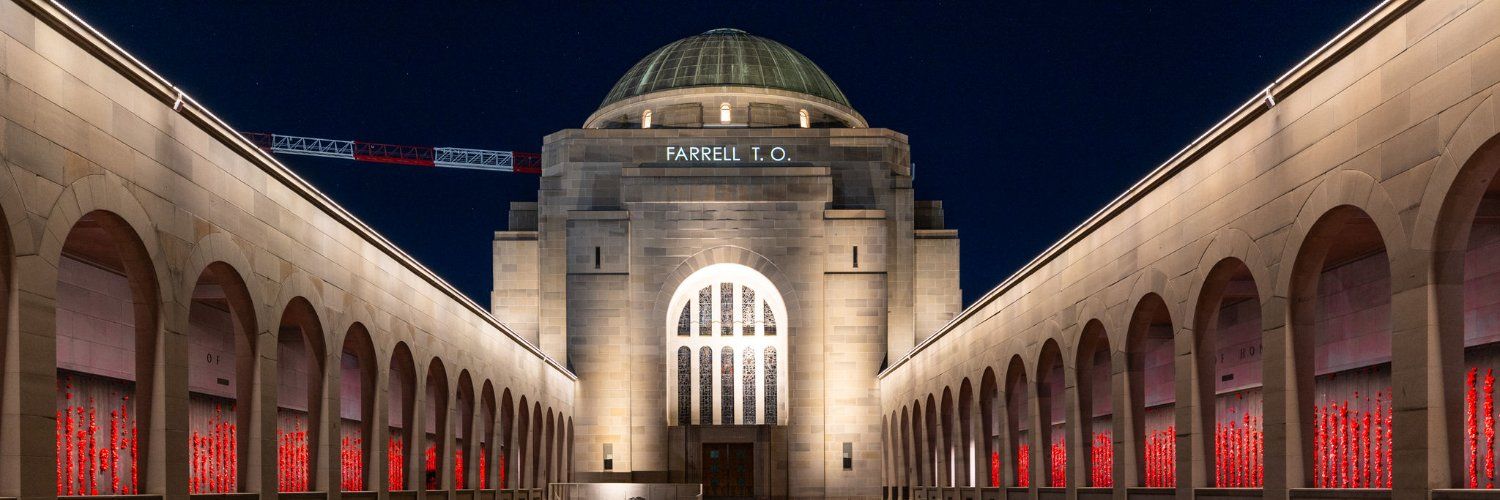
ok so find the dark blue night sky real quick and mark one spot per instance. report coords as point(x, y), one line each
point(1024, 117)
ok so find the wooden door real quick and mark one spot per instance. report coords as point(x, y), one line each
point(728, 470)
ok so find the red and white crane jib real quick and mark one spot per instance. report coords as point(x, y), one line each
point(426, 156)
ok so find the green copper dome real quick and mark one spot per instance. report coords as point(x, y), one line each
point(725, 57)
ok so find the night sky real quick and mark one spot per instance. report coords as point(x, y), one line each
point(1024, 117)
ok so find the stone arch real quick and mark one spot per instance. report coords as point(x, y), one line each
point(486, 470)
point(538, 467)
point(1226, 244)
point(918, 445)
point(964, 457)
point(1092, 347)
point(464, 407)
point(299, 317)
point(1214, 291)
point(358, 344)
point(1466, 170)
point(24, 236)
point(730, 255)
point(505, 442)
point(946, 449)
point(217, 270)
point(91, 194)
point(401, 388)
point(125, 243)
point(904, 436)
point(1150, 316)
point(1350, 188)
point(989, 418)
point(1336, 205)
point(1147, 283)
point(1051, 390)
point(1016, 401)
point(523, 445)
point(933, 442)
point(435, 411)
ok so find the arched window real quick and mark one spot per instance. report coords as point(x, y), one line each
point(705, 386)
point(735, 310)
point(685, 321)
point(684, 384)
point(706, 311)
point(748, 379)
point(726, 308)
point(747, 310)
point(803, 119)
point(646, 119)
point(770, 320)
point(726, 383)
point(771, 384)
point(724, 113)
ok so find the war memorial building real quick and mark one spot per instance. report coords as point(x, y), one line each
point(728, 278)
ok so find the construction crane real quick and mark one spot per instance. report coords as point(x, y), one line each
point(425, 156)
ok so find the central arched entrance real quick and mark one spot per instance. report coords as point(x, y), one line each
point(725, 330)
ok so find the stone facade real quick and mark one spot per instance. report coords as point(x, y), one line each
point(128, 207)
point(620, 223)
point(1339, 204)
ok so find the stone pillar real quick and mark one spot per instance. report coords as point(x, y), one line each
point(415, 466)
point(1075, 423)
point(1184, 411)
point(261, 468)
point(169, 383)
point(1129, 426)
point(328, 420)
point(377, 461)
point(30, 408)
point(1039, 452)
point(1416, 385)
point(1283, 457)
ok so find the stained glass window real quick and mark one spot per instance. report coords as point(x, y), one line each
point(726, 308)
point(705, 386)
point(770, 318)
point(726, 379)
point(706, 311)
point(747, 310)
point(685, 321)
point(748, 380)
point(770, 385)
point(684, 386)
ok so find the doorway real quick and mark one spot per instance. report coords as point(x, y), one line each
point(728, 470)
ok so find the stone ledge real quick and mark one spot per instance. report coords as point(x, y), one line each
point(1337, 493)
point(936, 234)
point(1455, 494)
point(515, 235)
point(846, 214)
point(1210, 493)
point(598, 214)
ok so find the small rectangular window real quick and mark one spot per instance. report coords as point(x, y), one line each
point(856, 256)
point(596, 257)
point(609, 456)
point(848, 456)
